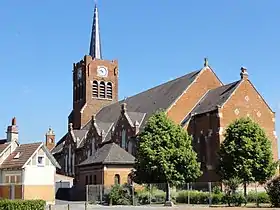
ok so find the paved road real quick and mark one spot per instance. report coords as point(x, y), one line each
point(63, 205)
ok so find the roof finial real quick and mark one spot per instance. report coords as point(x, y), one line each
point(243, 73)
point(205, 62)
point(95, 42)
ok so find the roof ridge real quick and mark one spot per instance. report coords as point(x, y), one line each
point(109, 151)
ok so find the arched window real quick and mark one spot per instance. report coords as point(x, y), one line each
point(123, 138)
point(130, 147)
point(117, 179)
point(95, 89)
point(92, 151)
point(109, 90)
point(102, 90)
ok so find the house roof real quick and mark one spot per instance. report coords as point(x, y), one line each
point(213, 99)
point(3, 146)
point(110, 153)
point(25, 151)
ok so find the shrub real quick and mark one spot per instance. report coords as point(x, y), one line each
point(234, 199)
point(196, 197)
point(216, 190)
point(260, 197)
point(22, 204)
point(217, 198)
point(118, 195)
point(156, 196)
point(273, 191)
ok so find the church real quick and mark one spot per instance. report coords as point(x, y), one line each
point(100, 144)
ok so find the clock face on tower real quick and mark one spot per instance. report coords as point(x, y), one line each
point(102, 71)
point(79, 74)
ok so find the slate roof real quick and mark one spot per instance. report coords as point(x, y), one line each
point(212, 99)
point(149, 101)
point(215, 97)
point(79, 137)
point(3, 147)
point(25, 150)
point(59, 145)
point(110, 153)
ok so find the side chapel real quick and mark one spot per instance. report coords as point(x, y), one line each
point(99, 146)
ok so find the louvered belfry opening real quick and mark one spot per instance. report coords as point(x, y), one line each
point(109, 90)
point(95, 89)
point(102, 90)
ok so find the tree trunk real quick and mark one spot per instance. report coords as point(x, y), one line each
point(168, 194)
point(245, 192)
point(168, 201)
point(245, 189)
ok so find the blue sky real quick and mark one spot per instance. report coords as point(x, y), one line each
point(154, 41)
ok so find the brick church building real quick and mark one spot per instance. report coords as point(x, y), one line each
point(99, 146)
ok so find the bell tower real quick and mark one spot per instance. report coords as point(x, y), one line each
point(95, 80)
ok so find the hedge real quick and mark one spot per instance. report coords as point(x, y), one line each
point(22, 204)
point(198, 197)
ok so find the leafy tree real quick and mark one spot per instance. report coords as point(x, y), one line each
point(165, 154)
point(246, 153)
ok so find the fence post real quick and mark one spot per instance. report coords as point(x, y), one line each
point(188, 188)
point(100, 193)
point(85, 205)
point(68, 206)
point(132, 192)
point(210, 194)
point(150, 194)
point(256, 194)
point(86, 193)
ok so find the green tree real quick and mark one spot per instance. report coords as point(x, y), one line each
point(246, 153)
point(165, 154)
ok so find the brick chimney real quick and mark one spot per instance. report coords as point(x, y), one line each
point(12, 131)
point(244, 73)
point(50, 139)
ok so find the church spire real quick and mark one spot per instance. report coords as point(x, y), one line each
point(95, 42)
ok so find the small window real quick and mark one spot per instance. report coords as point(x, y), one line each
point(102, 90)
point(17, 155)
point(13, 179)
point(40, 161)
point(7, 179)
point(109, 90)
point(18, 179)
point(95, 89)
point(117, 179)
point(123, 143)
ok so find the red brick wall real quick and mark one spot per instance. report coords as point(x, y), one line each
point(253, 107)
point(90, 74)
point(206, 80)
point(203, 129)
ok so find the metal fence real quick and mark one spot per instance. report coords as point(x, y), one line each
point(203, 193)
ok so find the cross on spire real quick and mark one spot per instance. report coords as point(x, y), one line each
point(95, 42)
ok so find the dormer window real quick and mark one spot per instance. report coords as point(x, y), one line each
point(17, 155)
point(40, 160)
